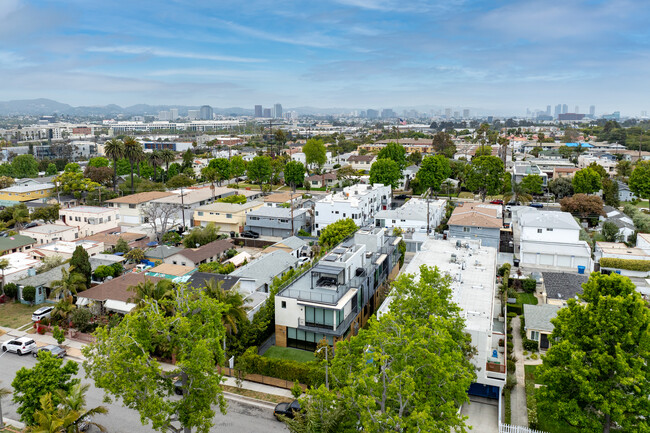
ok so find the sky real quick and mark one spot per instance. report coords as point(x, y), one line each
point(487, 55)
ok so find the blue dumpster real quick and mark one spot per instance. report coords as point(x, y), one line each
point(581, 269)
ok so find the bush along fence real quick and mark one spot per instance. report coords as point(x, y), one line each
point(627, 264)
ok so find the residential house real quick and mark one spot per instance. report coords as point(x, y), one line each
point(624, 192)
point(228, 217)
point(472, 269)
point(115, 295)
point(549, 239)
point(284, 199)
point(90, 220)
point(522, 169)
point(211, 252)
point(278, 221)
point(558, 287)
point(538, 323)
point(336, 297)
point(623, 222)
point(188, 199)
point(47, 233)
point(477, 221)
point(607, 162)
point(65, 249)
point(25, 190)
point(412, 219)
point(408, 174)
point(16, 244)
point(362, 162)
point(176, 273)
point(160, 254)
point(20, 265)
point(258, 275)
point(322, 180)
point(359, 202)
point(643, 241)
point(564, 172)
point(130, 206)
point(110, 239)
point(253, 301)
point(292, 245)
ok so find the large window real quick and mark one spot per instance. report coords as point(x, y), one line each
point(319, 317)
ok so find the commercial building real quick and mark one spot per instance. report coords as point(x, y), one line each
point(90, 220)
point(258, 111)
point(206, 112)
point(335, 298)
point(359, 202)
point(472, 268)
point(228, 217)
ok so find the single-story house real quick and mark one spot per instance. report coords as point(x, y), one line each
point(161, 252)
point(211, 252)
point(560, 286)
point(292, 245)
point(16, 244)
point(113, 295)
point(538, 323)
point(176, 273)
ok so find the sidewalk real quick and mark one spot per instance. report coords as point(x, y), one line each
point(518, 409)
point(74, 351)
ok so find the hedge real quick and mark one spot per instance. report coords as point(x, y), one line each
point(628, 264)
point(529, 285)
point(311, 374)
point(515, 308)
point(530, 345)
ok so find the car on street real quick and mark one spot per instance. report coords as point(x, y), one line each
point(42, 313)
point(287, 409)
point(250, 234)
point(497, 202)
point(537, 205)
point(57, 351)
point(20, 346)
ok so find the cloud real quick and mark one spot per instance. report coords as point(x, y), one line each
point(159, 52)
point(310, 40)
point(9, 59)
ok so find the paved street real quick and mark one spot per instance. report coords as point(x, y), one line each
point(241, 418)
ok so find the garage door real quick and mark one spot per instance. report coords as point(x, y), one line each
point(129, 219)
point(546, 259)
point(564, 261)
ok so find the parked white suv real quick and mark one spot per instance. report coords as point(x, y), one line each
point(42, 313)
point(20, 345)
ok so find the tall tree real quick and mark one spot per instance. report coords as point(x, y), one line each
point(4, 392)
point(610, 192)
point(485, 175)
point(48, 375)
point(597, 372)
point(24, 166)
point(294, 174)
point(315, 153)
point(532, 184)
point(259, 170)
point(132, 151)
point(80, 263)
point(586, 181)
point(70, 283)
point(433, 171)
point(122, 363)
point(167, 156)
point(394, 152)
point(640, 180)
point(155, 160)
point(561, 187)
point(211, 175)
point(237, 166)
point(443, 144)
point(583, 205)
point(386, 172)
point(222, 167)
point(624, 169)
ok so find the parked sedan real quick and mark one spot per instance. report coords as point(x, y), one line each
point(250, 234)
point(57, 351)
point(287, 409)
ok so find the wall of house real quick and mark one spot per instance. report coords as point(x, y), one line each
point(489, 237)
point(274, 226)
point(550, 235)
point(67, 234)
point(25, 196)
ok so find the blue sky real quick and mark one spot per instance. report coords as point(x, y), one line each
point(496, 55)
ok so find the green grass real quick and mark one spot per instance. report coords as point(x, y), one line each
point(14, 315)
point(290, 354)
point(526, 298)
point(466, 195)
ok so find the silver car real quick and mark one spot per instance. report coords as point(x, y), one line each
point(57, 351)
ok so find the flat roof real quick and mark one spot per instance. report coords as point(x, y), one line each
point(48, 229)
point(28, 188)
point(67, 247)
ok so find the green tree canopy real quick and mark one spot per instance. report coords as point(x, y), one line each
point(561, 187)
point(315, 152)
point(532, 184)
point(222, 168)
point(394, 152)
point(444, 144)
point(586, 181)
point(259, 170)
point(122, 361)
point(597, 372)
point(334, 233)
point(24, 166)
point(180, 180)
point(385, 171)
point(201, 236)
point(433, 171)
point(237, 166)
point(51, 169)
point(48, 375)
point(98, 161)
point(583, 205)
point(294, 174)
point(640, 180)
point(485, 175)
point(80, 263)
point(610, 192)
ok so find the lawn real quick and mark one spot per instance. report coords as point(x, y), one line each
point(15, 315)
point(526, 298)
point(290, 354)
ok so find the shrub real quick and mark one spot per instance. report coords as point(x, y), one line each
point(504, 270)
point(533, 356)
point(511, 346)
point(512, 367)
point(531, 402)
point(29, 294)
point(296, 389)
point(58, 334)
point(511, 314)
point(11, 290)
point(81, 319)
point(515, 308)
point(45, 321)
point(529, 285)
point(511, 381)
point(628, 264)
point(530, 345)
point(311, 374)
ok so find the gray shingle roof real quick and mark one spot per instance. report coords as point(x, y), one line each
point(563, 285)
point(267, 267)
point(55, 274)
point(538, 317)
point(157, 253)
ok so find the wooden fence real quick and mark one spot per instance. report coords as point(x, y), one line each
point(506, 428)
point(258, 378)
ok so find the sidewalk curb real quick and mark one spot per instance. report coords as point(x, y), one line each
point(249, 400)
point(13, 423)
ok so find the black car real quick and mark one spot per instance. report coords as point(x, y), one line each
point(401, 197)
point(537, 205)
point(250, 234)
point(287, 409)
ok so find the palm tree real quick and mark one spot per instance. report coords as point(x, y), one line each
point(63, 309)
point(141, 157)
point(148, 290)
point(51, 419)
point(69, 284)
point(136, 255)
point(4, 392)
point(19, 216)
point(211, 175)
point(518, 195)
point(167, 156)
point(4, 264)
point(74, 401)
point(155, 160)
point(235, 307)
point(132, 151)
point(114, 149)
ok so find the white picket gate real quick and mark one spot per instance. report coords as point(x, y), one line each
point(506, 428)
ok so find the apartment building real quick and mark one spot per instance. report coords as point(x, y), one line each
point(130, 206)
point(335, 297)
point(278, 221)
point(90, 220)
point(46, 233)
point(412, 219)
point(229, 217)
point(25, 190)
point(477, 221)
point(359, 202)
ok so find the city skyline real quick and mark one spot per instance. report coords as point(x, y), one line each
point(501, 57)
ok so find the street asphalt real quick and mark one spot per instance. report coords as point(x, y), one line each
point(242, 417)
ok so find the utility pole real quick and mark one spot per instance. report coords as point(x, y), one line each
point(428, 193)
point(183, 208)
point(291, 202)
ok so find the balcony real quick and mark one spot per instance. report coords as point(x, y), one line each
point(328, 330)
point(495, 368)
